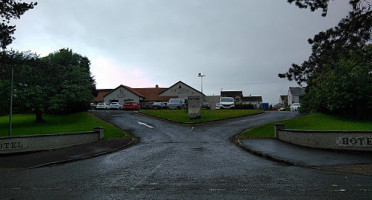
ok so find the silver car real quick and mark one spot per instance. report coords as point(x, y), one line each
point(116, 105)
point(103, 105)
point(176, 103)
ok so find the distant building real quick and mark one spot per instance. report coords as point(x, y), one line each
point(124, 93)
point(255, 101)
point(295, 95)
point(237, 95)
point(181, 90)
point(283, 99)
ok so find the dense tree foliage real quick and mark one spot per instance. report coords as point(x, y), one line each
point(339, 68)
point(70, 81)
point(11, 9)
point(320, 4)
point(27, 74)
point(58, 83)
point(344, 86)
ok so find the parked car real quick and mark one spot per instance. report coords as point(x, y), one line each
point(93, 106)
point(225, 103)
point(115, 105)
point(131, 105)
point(103, 105)
point(159, 105)
point(176, 103)
point(295, 106)
point(148, 105)
point(206, 106)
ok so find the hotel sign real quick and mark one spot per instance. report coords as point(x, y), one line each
point(355, 141)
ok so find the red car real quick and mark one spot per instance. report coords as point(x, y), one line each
point(131, 105)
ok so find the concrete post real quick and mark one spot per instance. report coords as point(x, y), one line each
point(278, 127)
point(100, 130)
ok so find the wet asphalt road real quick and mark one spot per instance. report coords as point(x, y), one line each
point(182, 162)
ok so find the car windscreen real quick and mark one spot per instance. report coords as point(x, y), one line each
point(227, 100)
point(128, 103)
point(175, 101)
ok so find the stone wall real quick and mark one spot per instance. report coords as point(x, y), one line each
point(29, 143)
point(337, 140)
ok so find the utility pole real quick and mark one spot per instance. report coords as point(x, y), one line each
point(11, 104)
point(201, 76)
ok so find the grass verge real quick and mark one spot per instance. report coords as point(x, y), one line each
point(316, 121)
point(206, 115)
point(24, 124)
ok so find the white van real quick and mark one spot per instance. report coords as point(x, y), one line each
point(225, 103)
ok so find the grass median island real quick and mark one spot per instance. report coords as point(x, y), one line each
point(24, 124)
point(316, 121)
point(206, 115)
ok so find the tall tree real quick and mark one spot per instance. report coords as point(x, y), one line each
point(59, 83)
point(331, 49)
point(71, 83)
point(11, 9)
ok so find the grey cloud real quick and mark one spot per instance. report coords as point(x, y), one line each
point(238, 44)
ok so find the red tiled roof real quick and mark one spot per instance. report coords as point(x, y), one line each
point(101, 94)
point(152, 94)
point(126, 87)
point(133, 90)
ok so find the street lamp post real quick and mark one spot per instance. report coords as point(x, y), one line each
point(201, 76)
point(11, 104)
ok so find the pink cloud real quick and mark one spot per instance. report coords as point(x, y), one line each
point(109, 74)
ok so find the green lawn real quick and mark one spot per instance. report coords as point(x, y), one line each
point(311, 122)
point(23, 124)
point(206, 115)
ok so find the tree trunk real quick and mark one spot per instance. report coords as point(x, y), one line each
point(39, 116)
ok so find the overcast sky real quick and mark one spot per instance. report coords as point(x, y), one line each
point(238, 44)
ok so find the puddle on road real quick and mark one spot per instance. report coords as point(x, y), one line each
point(199, 148)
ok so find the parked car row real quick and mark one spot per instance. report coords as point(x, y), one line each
point(293, 107)
point(159, 105)
point(128, 105)
point(174, 103)
point(102, 105)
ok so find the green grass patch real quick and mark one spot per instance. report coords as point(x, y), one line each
point(24, 124)
point(316, 121)
point(206, 115)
